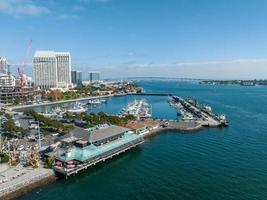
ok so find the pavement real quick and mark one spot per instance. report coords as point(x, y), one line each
point(17, 177)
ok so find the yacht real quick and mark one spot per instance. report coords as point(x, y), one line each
point(94, 101)
point(77, 108)
point(139, 109)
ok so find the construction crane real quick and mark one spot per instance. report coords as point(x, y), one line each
point(21, 70)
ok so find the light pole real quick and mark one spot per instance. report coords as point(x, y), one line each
point(39, 140)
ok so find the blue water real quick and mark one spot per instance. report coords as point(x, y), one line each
point(223, 164)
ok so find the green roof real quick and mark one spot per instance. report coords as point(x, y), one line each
point(91, 151)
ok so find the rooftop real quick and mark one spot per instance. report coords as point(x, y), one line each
point(49, 53)
point(98, 134)
point(135, 125)
point(70, 139)
point(91, 151)
point(44, 54)
point(110, 131)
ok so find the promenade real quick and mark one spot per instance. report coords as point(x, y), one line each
point(17, 180)
point(15, 108)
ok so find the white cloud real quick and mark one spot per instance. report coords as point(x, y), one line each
point(232, 69)
point(22, 7)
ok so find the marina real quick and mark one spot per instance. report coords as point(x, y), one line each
point(83, 147)
point(139, 109)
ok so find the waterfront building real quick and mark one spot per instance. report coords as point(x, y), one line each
point(3, 66)
point(52, 69)
point(94, 76)
point(87, 148)
point(76, 77)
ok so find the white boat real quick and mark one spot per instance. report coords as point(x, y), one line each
point(77, 108)
point(139, 109)
point(94, 101)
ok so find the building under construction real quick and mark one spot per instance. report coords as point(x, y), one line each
point(11, 94)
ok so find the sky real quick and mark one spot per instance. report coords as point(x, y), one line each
point(214, 39)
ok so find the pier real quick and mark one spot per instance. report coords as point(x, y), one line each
point(203, 116)
point(79, 153)
point(102, 158)
point(150, 94)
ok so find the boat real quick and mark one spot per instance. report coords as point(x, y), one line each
point(94, 101)
point(139, 109)
point(77, 108)
point(103, 100)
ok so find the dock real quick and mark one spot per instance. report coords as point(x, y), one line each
point(204, 117)
point(150, 94)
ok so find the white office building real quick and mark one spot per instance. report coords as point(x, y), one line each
point(52, 69)
point(63, 69)
point(3, 66)
point(94, 76)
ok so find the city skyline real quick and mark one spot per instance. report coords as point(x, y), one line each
point(204, 39)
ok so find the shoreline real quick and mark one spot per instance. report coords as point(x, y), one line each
point(14, 108)
point(32, 179)
point(180, 130)
point(15, 191)
point(30, 187)
point(46, 179)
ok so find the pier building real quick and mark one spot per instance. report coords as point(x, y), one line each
point(80, 152)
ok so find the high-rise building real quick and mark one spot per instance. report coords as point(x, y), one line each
point(79, 77)
point(76, 77)
point(45, 69)
point(3, 66)
point(94, 77)
point(52, 69)
point(63, 69)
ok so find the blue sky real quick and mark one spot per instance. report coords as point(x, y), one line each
point(172, 38)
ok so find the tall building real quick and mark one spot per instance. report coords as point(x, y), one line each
point(79, 77)
point(73, 77)
point(3, 66)
point(52, 69)
point(63, 69)
point(94, 77)
point(76, 77)
point(45, 69)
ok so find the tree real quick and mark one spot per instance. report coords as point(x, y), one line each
point(4, 158)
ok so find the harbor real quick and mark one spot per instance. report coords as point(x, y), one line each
point(84, 148)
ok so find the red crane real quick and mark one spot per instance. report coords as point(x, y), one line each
point(21, 70)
